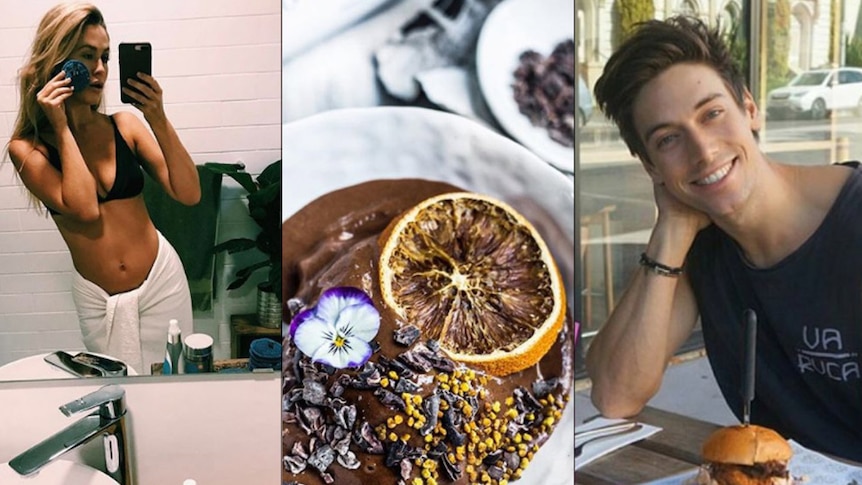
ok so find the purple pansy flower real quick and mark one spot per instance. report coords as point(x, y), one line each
point(337, 330)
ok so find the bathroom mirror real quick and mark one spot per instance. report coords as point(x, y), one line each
point(219, 67)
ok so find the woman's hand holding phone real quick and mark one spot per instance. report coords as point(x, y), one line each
point(52, 98)
point(146, 96)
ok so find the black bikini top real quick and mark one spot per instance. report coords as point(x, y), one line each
point(129, 180)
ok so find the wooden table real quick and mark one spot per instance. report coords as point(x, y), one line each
point(673, 450)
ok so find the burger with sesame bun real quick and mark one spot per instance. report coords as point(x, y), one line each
point(745, 455)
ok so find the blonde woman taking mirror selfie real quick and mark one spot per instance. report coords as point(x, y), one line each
point(85, 168)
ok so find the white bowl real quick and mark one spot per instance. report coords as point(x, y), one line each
point(346, 147)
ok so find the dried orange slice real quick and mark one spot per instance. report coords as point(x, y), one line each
point(472, 273)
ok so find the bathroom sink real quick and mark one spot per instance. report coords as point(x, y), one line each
point(34, 367)
point(60, 472)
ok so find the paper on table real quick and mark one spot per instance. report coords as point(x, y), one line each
point(816, 468)
point(604, 446)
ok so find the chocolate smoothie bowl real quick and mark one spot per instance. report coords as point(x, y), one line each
point(427, 334)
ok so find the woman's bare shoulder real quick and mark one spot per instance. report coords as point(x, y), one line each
point(21, 149)
point(127, 120)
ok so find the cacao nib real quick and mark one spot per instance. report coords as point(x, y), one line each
point(313, 392)
point(525, 402)
point(542, 388)
point(433, 345)
point(299, 450)
point(398, 366)
point(366, 440)
point(416, 361)
point(396, 451)
point(452, 470)
point(294, 306)
point(406, 468)
point(406, 336)
point(492, 457)
point(431, 406)
point(543, 89)
point(341, 447)
point(346, 416)
point(453, 436)
point(348, 460)
point(321, 458)
point(294, 464)
point(390, 400)
point(495, 472)
point(513, 461)
point(406, 385)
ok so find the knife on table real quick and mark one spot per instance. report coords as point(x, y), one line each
point(748, 365)
point(607, 429)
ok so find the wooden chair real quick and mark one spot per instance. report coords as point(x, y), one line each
point(602, 218)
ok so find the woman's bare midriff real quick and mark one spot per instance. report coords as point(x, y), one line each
point(117, 251)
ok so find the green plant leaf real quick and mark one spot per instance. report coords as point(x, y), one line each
point(275, 278)
point(237, 283)
point(236, 172)
point(264, 197)
point(270, 175)
point(248, 270)
point(235, 245)
point(264, 207)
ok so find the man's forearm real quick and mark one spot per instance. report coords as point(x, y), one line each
point(627, 359)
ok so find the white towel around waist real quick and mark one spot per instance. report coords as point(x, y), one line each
point(132, 326)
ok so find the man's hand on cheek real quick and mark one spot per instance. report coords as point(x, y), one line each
point(675, 212)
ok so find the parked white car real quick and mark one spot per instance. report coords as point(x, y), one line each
point(816, 93)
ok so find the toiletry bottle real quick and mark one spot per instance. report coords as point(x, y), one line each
point(174, 350)
point(198, 353)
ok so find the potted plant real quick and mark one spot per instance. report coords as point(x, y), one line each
point(264, 207)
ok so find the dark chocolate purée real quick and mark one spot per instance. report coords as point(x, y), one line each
point(332, 241)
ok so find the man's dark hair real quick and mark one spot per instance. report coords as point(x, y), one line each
point(655, 46)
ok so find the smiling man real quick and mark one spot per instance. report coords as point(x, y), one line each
point(735, 230)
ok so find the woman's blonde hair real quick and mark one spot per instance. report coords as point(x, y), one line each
point(58, 33)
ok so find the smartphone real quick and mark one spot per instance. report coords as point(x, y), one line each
point(135, 57)
point(86, 364)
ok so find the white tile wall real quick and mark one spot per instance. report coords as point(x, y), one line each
point(219, 63)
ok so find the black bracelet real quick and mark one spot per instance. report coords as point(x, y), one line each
point(658, 268)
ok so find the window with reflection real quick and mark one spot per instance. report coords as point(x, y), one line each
point(801, 59)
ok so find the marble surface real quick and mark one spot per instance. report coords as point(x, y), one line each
point(337, 69)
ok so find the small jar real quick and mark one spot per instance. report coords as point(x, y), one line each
point(198, 353)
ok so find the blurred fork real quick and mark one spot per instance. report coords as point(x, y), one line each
point(580, 448)
point(603, 430)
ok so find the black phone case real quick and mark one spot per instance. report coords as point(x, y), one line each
point(135, 57)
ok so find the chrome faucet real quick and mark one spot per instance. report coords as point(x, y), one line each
point(108, 421)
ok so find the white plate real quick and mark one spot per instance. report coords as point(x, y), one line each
point(513, 27)
point(345, 147)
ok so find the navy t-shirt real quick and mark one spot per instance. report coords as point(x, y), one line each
point(808, 382)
